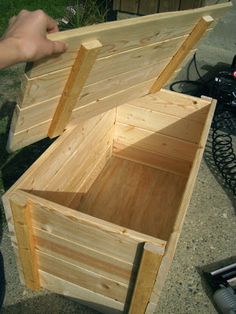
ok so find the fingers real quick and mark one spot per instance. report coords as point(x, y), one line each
point(51, 24)
point(12, 20)
point(53, 47)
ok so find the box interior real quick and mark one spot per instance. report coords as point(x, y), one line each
point(128, 166)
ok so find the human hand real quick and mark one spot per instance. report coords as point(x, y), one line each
point(27, 36)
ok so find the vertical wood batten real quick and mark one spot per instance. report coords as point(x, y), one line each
point(147, 273)
point(26, 247)
point(182, 53)
point(81, 68)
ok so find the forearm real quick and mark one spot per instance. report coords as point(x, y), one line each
point(9, 53)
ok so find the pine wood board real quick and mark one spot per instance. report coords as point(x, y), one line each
point(38, 132)
point(184, 129)
point(50, 85)
point(127, 193)
point(83, 257)
point(154, 142)
point(173, 165)
point(128, 34)
point(82, 277)
point(172, 243)
point(84, 296)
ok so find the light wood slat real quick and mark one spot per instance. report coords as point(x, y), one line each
point(172, 242)
point(154, 142)
point(176, 104)
point(83, 257)
point(87, 297)
point(184, 129)
point(169, 5)
point(78, 76)
point(62, 221)
point(38, 113)
point(26, 137)
point(127, 34)
point(61, 188)
point(82, 277)
point(146, 277)
point(51, 85)
point(181, 54)
point(26, 245)
point(148, 7)
point(158, 161)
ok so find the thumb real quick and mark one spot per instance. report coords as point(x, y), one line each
point(58, 47)
point(50, 47)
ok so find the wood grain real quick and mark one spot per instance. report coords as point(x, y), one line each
point(87, 297)
point(127, 194)
point(26, 244)
point(181, 54)
point(77, 79)
point(148, 270)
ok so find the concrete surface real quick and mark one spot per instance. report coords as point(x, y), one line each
point(208, 234)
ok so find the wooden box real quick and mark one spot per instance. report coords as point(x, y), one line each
point(97, 217)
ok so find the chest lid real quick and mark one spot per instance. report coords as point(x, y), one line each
point(105, 65)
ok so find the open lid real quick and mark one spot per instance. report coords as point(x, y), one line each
point(105, 66)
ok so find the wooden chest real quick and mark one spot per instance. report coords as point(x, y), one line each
point(97, 217)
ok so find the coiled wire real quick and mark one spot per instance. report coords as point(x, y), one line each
point(222, 148)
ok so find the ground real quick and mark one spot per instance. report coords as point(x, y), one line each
point(208, 234)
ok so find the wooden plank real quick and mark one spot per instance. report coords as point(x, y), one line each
point(81, 68)
point(152, 120)
point(87, 297)
point(26, 245)
point(124, 35)
point(146, 277)
point(126, 194)
point(51, 85)
point(158, 161)
point(189, 44)
point(28, 136)
point(83, 257)
point(148, 7)
point(176, 104)
point(169, 5)
point(62, 189)
point(172, 243)
point(106, 85)
point(82, 277)
point(62, 221)
point(130, 6)
point(154, 142)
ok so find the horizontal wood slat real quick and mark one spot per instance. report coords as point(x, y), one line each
point(84, 296)
point(154, 142)
point(151, 159)
point(83, 257)
point(82, 277)
point(184, 129)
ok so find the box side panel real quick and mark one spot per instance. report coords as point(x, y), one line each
point(99, 256)
point(172, 242)
point(161, 130)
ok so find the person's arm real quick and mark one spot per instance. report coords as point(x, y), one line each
point(26, 38)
